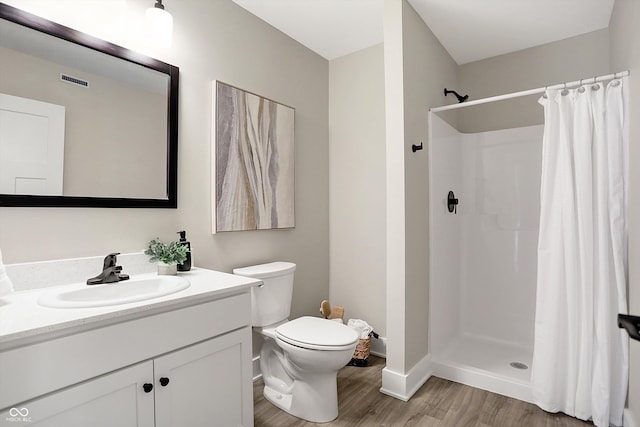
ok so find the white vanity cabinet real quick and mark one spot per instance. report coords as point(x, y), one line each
point(116, 399)
point(202, 386)
point(190, 366)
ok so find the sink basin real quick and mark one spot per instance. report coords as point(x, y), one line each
point(136, 289)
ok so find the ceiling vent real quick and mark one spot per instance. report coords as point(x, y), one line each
point(74, 80)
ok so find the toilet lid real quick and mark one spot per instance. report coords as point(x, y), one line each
point(264, 271)
point(317, 334)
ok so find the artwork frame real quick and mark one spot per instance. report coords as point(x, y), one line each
point(253, 161)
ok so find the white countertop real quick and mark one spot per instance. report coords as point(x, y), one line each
point(23, 320)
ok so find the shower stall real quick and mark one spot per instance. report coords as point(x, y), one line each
point(483, 255)
point(528, 231)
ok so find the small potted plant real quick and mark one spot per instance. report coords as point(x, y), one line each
point(167, 255)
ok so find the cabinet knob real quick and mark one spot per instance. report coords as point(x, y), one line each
point(164, 381)
point(147, 387)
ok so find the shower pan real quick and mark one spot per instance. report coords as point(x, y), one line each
point(483, 258)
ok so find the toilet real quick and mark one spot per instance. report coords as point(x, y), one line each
point(300, 358)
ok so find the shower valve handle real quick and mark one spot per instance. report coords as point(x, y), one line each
point(452, 203)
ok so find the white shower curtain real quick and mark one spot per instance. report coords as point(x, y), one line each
point(580, 360)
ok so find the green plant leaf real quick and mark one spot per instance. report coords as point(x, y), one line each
point(169, 253)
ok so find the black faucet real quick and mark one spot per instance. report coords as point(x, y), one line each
point(110, 271)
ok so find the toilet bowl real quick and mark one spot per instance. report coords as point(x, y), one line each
point(300, 358)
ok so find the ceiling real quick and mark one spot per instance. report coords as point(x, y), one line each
point(470, 30)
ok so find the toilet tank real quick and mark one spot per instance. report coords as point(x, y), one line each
point(271, 301)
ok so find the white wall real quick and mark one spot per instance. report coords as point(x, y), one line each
point(356, 186)
point(499, 220)
point(212, 40)
point(624, 29)
point(484, 270)
point(445, 174)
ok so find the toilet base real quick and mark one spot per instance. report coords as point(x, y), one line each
point(282, 401)
point(308, 403)
point(301, 381)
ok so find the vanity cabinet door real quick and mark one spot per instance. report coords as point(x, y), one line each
point(206, 384)
point(116, 399)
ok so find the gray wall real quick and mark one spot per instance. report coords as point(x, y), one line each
point(428, 68)
point(356, 185)
point(222, 41)
point(213, 40)
point(624, 29)
point(394, 188)
point(565, 60)
point(417, 68)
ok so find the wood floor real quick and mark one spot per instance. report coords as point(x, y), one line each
point(438, 403)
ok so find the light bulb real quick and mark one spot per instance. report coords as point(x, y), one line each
point(159, 25)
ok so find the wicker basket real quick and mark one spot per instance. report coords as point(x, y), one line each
point(363, 348)
point(361, 353)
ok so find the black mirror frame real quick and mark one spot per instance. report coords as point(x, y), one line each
point(37, 23)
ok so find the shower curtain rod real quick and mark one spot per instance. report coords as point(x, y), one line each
point(530, 92)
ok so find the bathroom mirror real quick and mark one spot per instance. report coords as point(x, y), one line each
point(83, 122)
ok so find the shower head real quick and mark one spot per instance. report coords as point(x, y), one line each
point(460, 97)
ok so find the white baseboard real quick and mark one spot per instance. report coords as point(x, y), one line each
point(379, 347)
point(257, 374)
point(628, 419)
point(403, 386)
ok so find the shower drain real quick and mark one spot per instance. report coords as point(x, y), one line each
point(518, 365)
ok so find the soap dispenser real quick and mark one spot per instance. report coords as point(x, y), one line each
point(186, 265)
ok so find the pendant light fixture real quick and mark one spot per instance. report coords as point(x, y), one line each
point(159, 25)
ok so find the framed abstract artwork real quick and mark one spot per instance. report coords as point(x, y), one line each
point(253, 161)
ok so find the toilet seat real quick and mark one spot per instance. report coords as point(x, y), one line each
point(315, 333)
